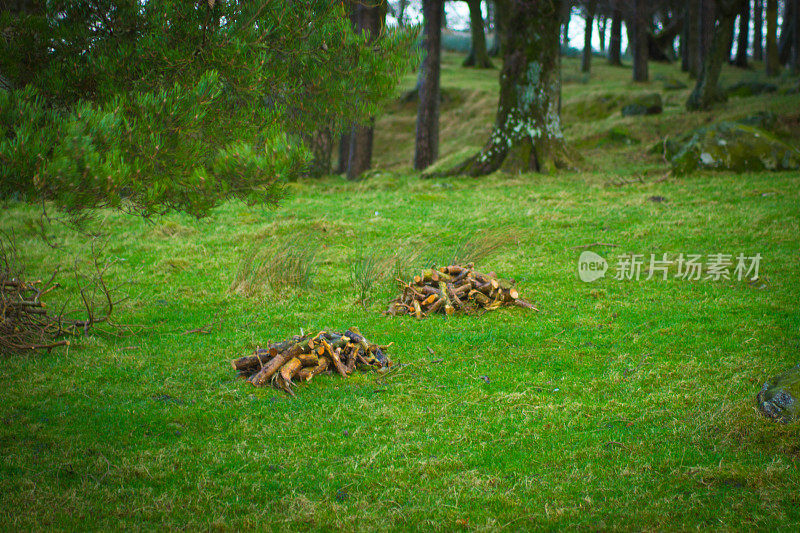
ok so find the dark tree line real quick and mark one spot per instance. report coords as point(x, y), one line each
point(699, 34)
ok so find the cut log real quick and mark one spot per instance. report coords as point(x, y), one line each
point(311, 359)
point(263, 355)
point(454, 297)
point(260, 378)
point(436, 305)
point(291, 368)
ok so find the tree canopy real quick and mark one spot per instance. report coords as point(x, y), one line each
point(155, 105)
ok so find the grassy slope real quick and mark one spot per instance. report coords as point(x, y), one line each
point(620, 405)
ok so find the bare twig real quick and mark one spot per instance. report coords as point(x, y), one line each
point(591, 245)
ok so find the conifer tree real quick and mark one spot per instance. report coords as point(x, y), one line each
point(155, 105)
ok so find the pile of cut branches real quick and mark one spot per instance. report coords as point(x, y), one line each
point(304, 356)
point(454, 288)
point(26, 323)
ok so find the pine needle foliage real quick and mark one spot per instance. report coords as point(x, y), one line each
point(152, 106)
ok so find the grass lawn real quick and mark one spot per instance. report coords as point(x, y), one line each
point(620, 405)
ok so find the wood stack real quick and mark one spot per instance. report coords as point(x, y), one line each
point(25, 322)
point(304, 356)
point(454, 288)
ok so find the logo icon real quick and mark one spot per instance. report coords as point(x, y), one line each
point(591, 267)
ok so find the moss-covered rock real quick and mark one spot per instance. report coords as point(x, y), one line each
point(673, 84)
point(730, 146)
point(751, 88)
point(619, 135)
point(765, 120)
point(779, 398)
point(595, 108)
point(646, 104)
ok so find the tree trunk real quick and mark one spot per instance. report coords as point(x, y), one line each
point(615, 39)
point(426, 146)
point(344, 151)
point(743, 39)
point(320, 143)
point(401, 12)
point(344, 139)
point(586, 59)
point(661, 45)
point(602, 23)
point(787, 33)
point(527, 133)
point(728, 54)
point(796, 38)
point(773, 67)
point(494, 49)
point(369, 19)
point(694, 41)
point(478, 55)
point(708, 17)
point(360, 157)
point(684, 42)
point(639, 33)
point(566, 15)
point(758, 30)
point(707, 91)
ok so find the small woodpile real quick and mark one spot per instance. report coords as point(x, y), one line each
point(454, 288)
point(25, 323)
point(304, 356)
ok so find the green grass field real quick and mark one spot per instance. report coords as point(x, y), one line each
point(620, 405)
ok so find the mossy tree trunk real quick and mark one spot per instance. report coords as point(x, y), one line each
point(527, 132)
point(478, 55)
point(772, 65)
point(707, 91)
point(586, 59)
point(615, 39)
point(426, 146)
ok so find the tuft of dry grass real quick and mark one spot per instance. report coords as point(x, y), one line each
point(366, 271)
point(473, 247)
point(277, 269)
